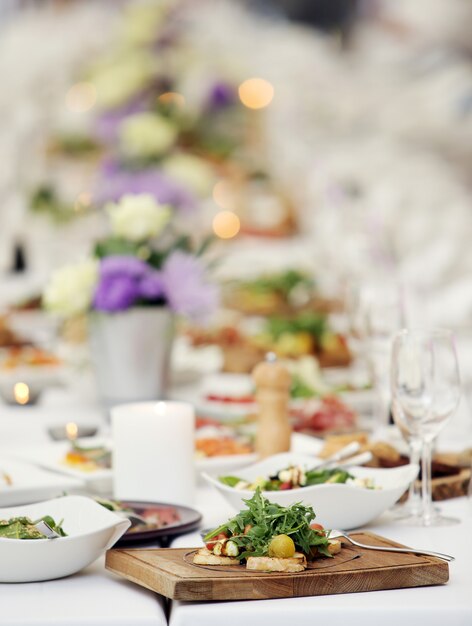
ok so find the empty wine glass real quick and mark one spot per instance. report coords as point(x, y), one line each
point(426, 392)
point(376, 312)
point(412, 506)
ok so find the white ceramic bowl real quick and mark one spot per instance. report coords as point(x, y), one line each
point(91, 529)
point(337, 506)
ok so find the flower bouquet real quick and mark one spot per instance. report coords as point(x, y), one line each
point(137, 280)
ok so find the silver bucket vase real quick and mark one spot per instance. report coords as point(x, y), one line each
point(131, 353)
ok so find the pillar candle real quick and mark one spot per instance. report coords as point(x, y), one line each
point(153, 452)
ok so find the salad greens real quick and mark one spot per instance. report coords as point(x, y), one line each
point(283, 282)
point(253, 528)
point(25, 528)
point(298, 478)
point(311, 323)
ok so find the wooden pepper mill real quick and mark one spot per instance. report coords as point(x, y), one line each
point(272, 381)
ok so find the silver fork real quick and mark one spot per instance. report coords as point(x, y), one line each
point(46, 530)
point(339, 533)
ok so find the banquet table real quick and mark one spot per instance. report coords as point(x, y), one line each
point(95, 597)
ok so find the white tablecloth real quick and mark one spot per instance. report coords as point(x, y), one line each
point(94, 597)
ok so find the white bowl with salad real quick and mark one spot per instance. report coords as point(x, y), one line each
point(85, 528)
point(343, 498)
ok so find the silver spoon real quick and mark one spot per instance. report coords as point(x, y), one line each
point(339, 533)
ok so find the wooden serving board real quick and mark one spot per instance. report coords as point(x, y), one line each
point(172, 573)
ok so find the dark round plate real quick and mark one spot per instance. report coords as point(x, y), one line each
point(188, 520)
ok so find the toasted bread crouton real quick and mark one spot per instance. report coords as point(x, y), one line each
point(205, 557)
point(297, 563)
point(334, 547)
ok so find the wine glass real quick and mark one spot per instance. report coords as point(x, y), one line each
point(376, 312)
point(384, 317)
point(412, 506)
point(426, 390)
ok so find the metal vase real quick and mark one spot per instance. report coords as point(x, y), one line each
point(131, 353)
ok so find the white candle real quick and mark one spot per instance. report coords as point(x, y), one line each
point(153, 452)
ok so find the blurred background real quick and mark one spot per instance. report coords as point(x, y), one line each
point(327, 137)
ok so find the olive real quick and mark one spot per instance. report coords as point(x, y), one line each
point(281, 546)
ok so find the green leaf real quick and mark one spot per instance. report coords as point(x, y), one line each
point(231, 481)
point(116, 246)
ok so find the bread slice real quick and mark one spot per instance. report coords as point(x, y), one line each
point(205, 557)
point(334, 547)
point(297, 563)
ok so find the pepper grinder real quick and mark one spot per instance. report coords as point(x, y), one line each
point(272, 381)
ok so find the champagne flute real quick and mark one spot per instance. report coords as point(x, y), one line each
point(426, 391)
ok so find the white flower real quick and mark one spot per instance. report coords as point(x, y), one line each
point(138, 217)
point(118, 80)
point(142, 22)
point(70, 290)
point(146, 135)
point(191, 171)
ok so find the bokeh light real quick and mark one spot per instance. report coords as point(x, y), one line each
point(21, 392)
point(226, 224)
point(256, 93)
point(72, 430)
point(81, 97)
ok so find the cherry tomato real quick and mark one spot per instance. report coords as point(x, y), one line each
point(285, 486)
point(211, 544)
point(281, 546)
point(318, 527)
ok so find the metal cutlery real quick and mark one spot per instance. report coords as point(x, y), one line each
point(339, 533)
point(345, 453)
point(46, 530)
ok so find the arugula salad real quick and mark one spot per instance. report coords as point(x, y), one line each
point(269, 529)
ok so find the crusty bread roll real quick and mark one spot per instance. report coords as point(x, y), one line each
point(297, 563)
point(205, 557)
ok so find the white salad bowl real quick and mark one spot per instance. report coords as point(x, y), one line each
point(340, 506)
point(91, 529)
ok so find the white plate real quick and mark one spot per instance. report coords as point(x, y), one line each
point(220, 465)
point(226, 463)
point(338, 506)
point(91, 529)
point(32, 484)
point(51, 456)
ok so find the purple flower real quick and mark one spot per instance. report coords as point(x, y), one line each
point(221, 95)
point(151, 286)
point(123, 265)
point(186, 288)
point(125, 281)
point(115, 182)
point(115, 293)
